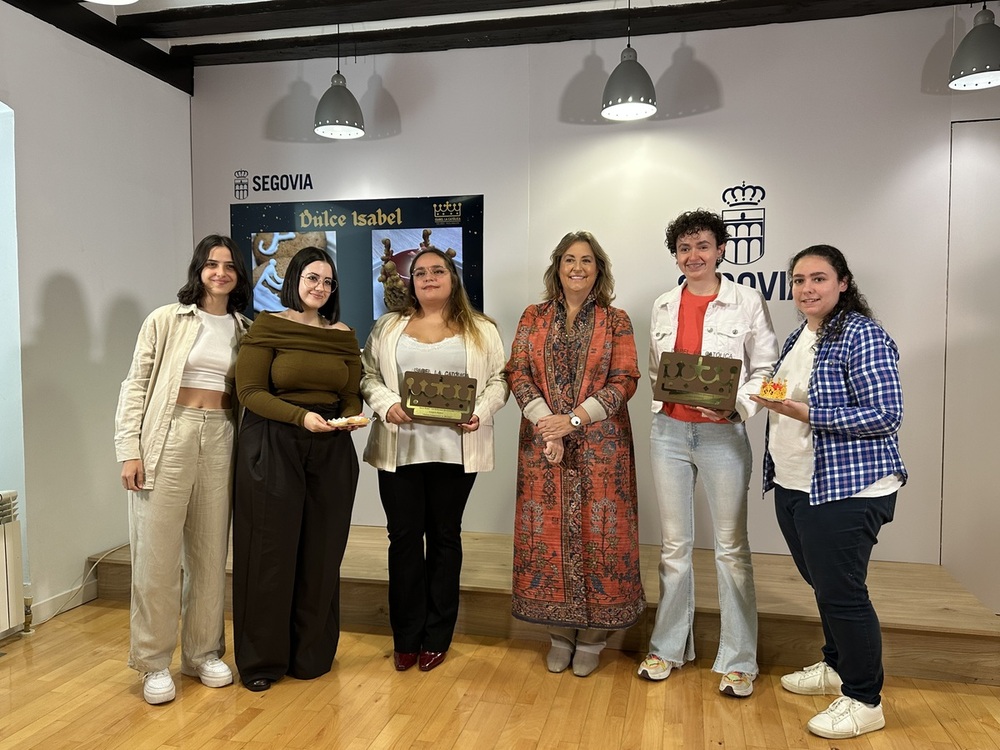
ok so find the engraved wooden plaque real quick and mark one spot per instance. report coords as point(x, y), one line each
point(440, 399)
point(698, 380)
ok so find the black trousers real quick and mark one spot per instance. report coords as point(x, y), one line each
point(424, 501)
point(831, 545)
point(292, 502)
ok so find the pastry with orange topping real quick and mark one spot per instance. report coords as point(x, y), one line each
point(774, 390)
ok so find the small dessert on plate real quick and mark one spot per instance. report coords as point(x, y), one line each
point(358, 420)
point(773, 390)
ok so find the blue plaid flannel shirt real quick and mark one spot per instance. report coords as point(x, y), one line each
point(855, 409)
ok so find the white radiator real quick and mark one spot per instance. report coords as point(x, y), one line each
point(11, 575)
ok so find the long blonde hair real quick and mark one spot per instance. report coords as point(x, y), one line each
point(459, 313)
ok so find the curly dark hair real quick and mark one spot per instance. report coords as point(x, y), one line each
point(851, 299)
point(604, 284)
point(290, 297)
point(692, 222)
point(193, 291)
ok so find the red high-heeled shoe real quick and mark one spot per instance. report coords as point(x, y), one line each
point(403, 660)
point(431, 659)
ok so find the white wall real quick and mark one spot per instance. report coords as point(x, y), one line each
point(11, 415)
point(971, 500)
point(847, 157)
point(845, 123)
point(103, 188)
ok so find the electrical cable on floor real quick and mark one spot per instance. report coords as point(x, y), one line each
point(79, 589)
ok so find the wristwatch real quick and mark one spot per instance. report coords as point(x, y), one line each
point(575, 420)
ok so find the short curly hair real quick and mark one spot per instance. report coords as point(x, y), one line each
point(692, 222)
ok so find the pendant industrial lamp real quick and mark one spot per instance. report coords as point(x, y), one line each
point(338, 114)
point(629, 92)
point(976, 64)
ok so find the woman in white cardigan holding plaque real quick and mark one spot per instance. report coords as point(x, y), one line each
point(709, 315)
point(426, 469)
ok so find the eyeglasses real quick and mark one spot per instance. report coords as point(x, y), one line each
point(313, 280)
point(429, 273)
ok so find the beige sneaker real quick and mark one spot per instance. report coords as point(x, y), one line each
point(816, 679)
point(654, 668)
point(846, 718)
point(738, 684)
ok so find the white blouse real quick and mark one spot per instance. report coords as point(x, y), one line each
point(420, 442)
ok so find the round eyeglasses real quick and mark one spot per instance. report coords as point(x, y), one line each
point(314, 280)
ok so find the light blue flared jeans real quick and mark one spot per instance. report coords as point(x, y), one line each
point(718, 454)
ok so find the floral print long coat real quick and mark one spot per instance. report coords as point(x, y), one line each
point(576, 538)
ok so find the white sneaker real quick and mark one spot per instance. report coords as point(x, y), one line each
point(845, 718)
point(817, 679)
point(654, 668)
point(157, 687)
point(213, 673)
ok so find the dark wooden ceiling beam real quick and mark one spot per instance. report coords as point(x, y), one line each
point(126, 39)
point(541, 29)
point(291, 14)
point(89, 27)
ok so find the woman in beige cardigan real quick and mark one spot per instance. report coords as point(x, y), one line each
point(426, 471)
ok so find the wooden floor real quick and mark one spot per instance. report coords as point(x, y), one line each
point(67, 686)
point(931, 626)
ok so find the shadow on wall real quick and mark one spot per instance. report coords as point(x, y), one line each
point(581, 99)
point(382, 118)
point(934, 75)
point(688, 87)
point(291, 118)
point(69, 403)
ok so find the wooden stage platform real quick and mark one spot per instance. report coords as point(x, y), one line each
point(932, 628)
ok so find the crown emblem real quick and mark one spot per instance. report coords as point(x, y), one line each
point(743, 195)
point(448, 213)
point(241, 174)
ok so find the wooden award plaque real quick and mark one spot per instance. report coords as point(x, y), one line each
point(698, 380)
point(439, 399)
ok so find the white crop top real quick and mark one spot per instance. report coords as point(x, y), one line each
point(211, 365)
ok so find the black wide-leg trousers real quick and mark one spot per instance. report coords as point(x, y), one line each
point(294, 492)
point(423, 506)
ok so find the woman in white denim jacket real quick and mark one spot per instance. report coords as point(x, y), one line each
point(174, 433)
point(711, 315)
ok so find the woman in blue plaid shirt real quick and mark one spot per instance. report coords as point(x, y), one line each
point(832, 457)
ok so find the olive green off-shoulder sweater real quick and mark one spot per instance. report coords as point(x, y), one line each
point(286, 369)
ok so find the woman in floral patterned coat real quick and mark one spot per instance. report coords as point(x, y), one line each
point(573, 369)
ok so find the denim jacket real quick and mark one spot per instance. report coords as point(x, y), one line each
point(737, 325)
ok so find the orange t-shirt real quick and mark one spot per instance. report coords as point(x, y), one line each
point(690, 324)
